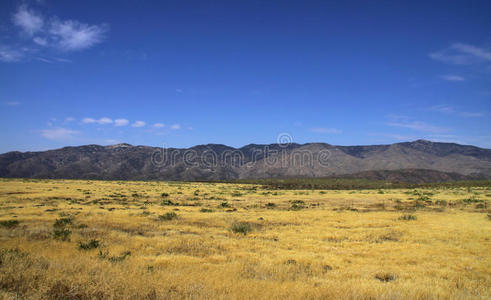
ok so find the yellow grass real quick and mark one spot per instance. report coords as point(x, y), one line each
point(335, 245)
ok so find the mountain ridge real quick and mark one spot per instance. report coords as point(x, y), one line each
point(221, 162)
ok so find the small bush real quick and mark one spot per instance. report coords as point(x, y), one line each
point(270, 205)
point(408, 217)
point(167, 202)
point(441, 202)
point(92, 244)
point(236, 194)
point(9, 223)
point(168, 216)
point(120, 257)
point(385, 277)
point(164, 195)
point(206, 210)
point(62, 234)
point(472, 200)
point(62, 222)
point(224, 204)
point(297, 205)
point(241, 227)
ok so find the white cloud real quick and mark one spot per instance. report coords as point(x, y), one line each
point(462, 54)
point(175, 126)
point(101, 121)
point(121, 122)
point(417, 125)
point(72, 35)
point(447, 109)
point(69, 119)
point(58, 133)
point(10, 55)
point(158, 125)
point(138, 124)
point(88, 120)
point(12, 103)
point(325, 130)
point(29, 21)
point(472, 114)
point(452, 78)
point(473, 50)
point(40, 41)
point(43, 34)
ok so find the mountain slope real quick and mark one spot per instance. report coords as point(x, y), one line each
point(221, 162)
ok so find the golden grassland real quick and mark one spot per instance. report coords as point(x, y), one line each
point(75, 239)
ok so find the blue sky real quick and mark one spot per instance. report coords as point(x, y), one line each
point(181, 73)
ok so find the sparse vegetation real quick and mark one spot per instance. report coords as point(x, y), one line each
point(292, 244)
point(168, 216)
point(241, 227)
point(9, 223)
point(92, 244)
point(408, 217)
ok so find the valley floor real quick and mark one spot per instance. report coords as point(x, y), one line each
point(69, 239)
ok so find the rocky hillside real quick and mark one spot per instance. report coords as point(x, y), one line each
point(220, 162)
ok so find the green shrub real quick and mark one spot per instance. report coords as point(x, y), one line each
point(168, 216)
point(270, 205)
point(164, 195)
point(408, 217)
point(224, 204)
point(167, 202)
point(62, 222)
point(206, 210)
point(441, 202)
point(92, 244)
point(241, 227)
point(62, 234)
point(9, 223)
point(297, 205)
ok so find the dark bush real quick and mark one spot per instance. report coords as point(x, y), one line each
point(9, 223)
point(408, 217)
point(92, 244)
point(241, 227)
point(168, 216)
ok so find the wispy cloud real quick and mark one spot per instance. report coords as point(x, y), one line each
point(7, 54)
point(452, 78)
point(121, 122)
point(326, 130)
point(29, 21)
point(175, 126)
point(138, 124)
point(12, 103)
point(40, 35)
point(447, 109)
point(417, 125)
point(60, 134)
point(158, 125)
point(72, 35)
point(462, 54)
point(69, 119)
point(101, 121)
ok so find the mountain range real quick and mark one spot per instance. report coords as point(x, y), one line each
point(417, 161)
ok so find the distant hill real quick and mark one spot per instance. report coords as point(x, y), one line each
point(418, 161)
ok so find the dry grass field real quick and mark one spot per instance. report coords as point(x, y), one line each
point(68, 239)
